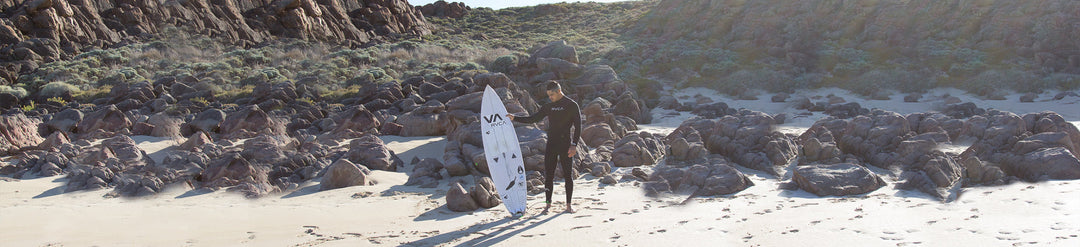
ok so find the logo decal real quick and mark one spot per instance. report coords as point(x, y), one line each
point(493, 118)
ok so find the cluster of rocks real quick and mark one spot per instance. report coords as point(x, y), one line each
point(482, 195)
point(1034, 147)
point(444, 9)
point(702, 153)
point(42, 31)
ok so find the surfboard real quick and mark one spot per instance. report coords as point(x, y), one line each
point(503, 152)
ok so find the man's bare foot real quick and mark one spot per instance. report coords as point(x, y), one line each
point(546, 209)
point(569, 210)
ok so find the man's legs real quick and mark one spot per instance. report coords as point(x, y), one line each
point(568, 178)
point(550, 160)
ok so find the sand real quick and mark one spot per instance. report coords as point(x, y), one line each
point(33, 212)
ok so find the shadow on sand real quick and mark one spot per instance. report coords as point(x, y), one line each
point(488, 239)
point(54, 191)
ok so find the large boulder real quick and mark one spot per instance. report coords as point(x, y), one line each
point(555, 49)
point(370, 151)
point(343, 173)
point(638, 149)
point(459, 200)
point(233, 171)
point(251, 121)
point(425, 173)
point(1044, 164)
point(108, 118)
point(17, 132)
point(485, 194)
point(208, 121)
point(65, 120)
point(427, 120)
point(445, 10)
point(836, 179)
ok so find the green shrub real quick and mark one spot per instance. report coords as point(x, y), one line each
point(19, 92)
point(57, 89)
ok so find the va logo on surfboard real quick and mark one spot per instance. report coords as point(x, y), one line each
point(492, 118)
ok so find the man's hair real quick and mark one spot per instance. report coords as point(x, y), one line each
point(553, 85)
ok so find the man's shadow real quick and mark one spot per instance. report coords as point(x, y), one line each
point(488, 239)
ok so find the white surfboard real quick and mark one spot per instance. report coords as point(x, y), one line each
point(503, 152)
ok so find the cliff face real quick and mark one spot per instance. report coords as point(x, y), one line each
point(35, 31)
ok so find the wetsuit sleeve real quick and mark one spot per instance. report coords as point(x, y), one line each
point(535, 117)
point(577, 124)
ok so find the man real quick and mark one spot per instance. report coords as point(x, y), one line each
point(563, 115)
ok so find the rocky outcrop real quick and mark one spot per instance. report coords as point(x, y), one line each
point(45, 31)
point(836, 179)
point(17, 132)
point(638, 149)
point(444, 9)
point(249, 122)
point(714, 175)
point(748, 138)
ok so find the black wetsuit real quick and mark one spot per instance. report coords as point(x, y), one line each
point(563, 115)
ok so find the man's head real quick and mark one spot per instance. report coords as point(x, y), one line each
point(554, 91)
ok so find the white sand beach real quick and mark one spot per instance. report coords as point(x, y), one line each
point(34, 212)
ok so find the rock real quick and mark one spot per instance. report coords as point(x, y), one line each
point(165, 125)
point(343, 174)
point(208, 120)
point(597, 134)
point(1063, 95)
point(17, 132)
point(251, 121)
point(127, 152)
point(836, 179)
point(142, 129)
point(718, 178)
point(232, 170)
point(655, 188)
point(555, 49)
point(445, 10)
point(66, 120)
point(913, 97)
point(780, 97)
point(195, 142)
point(484, 193)
point(609, 179)
point(370, 151)
point(1028, 97)
point(599, 169)
point(459, 200)
point(637, 149)
point(357, 119)
point(265, 149)
point(1043, 164)
point(108, 118)
point(426, 173)
point(978, 172)
point(429, 120)
point(54, 141)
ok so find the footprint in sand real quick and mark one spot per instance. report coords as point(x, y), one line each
point(579, 227)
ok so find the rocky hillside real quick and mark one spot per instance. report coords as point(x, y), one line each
point(41, 31)
point(735, 45)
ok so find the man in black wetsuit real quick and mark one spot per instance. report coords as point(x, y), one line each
point(563, 115)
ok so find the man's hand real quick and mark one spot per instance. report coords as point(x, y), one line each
point(572, 152)
point(510, 116)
